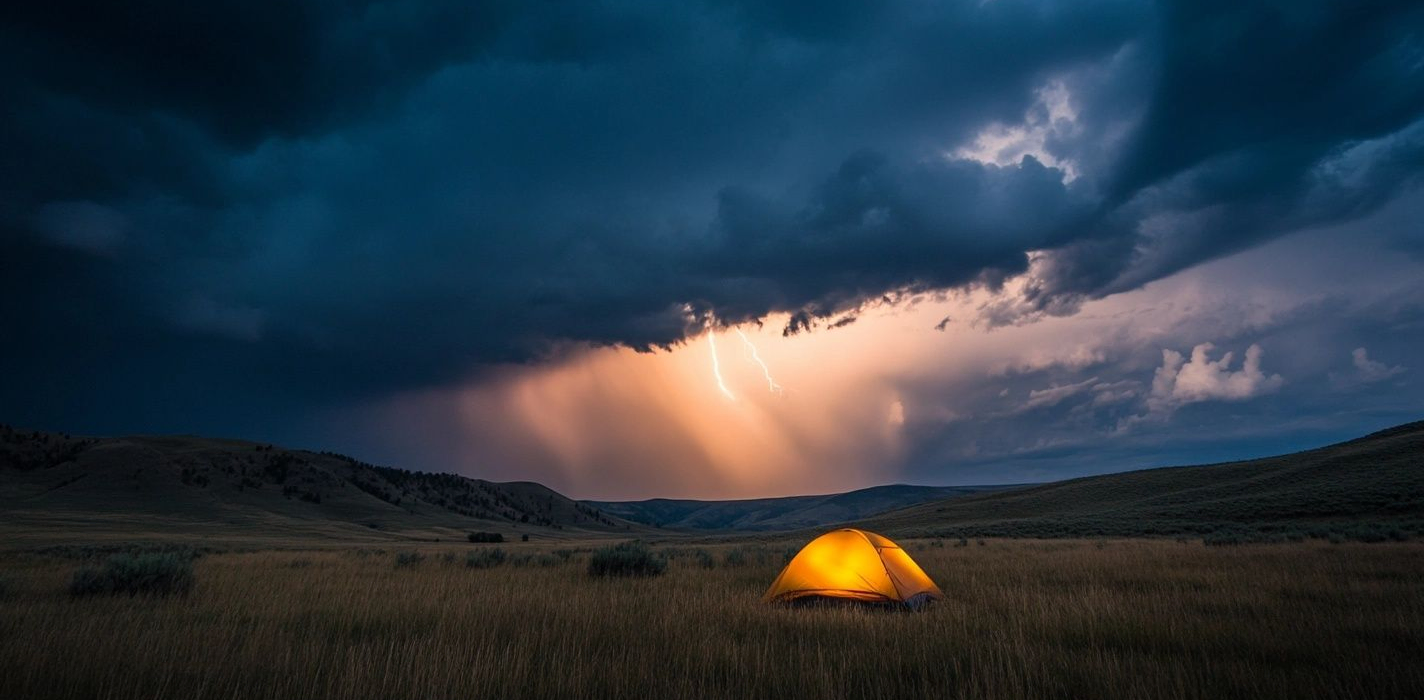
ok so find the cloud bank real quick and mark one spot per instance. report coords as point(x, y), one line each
point(314, 205)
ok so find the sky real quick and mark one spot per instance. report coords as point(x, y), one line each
point(717, 249)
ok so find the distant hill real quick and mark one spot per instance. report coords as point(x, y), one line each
point(788, 513)
point(52, 484)
point(57, 488)
point(1368, 488)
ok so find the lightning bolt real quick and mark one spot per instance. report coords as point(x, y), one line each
point(717, 366)
point(754, 356)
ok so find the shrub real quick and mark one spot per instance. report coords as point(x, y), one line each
point(734, 557)
point(485, 558)
point(524, 538)
point(626, 559)
point(1369, 533)
point(149, 574)
point(6, 588)
point(704, 559)
point(486, 537)
point(752, 555)
point(540, 560)
point(408, 558)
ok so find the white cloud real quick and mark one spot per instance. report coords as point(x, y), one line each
point(1106, 393)
point(1052, 115)
point(1055, 395)
point(1181, 381)
point(1369, 370)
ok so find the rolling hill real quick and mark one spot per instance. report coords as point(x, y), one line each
point(57, 486)
point(788, 513)
point(1368, 488)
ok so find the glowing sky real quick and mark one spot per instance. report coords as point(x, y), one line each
point(971, 242)
point(1132, 380)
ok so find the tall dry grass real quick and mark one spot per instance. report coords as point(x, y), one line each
point(1125, 619)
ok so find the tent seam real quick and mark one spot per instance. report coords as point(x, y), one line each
point(891, 577)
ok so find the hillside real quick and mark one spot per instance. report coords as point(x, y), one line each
point(788, 513)
point(1368, 488)
point(56, 485)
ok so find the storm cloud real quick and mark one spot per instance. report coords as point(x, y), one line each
point(264, 211)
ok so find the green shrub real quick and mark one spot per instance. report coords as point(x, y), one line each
point(486, 537)
point(408, 558)
point(149, 574)
point(626, 559)
point(485, 558)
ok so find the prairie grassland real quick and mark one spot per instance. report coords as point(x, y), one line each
point(1120, 619)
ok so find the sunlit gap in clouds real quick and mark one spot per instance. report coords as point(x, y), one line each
point(611, 422)
point(922, 391)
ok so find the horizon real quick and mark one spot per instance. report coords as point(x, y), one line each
point(719, 250)
point(827, 494)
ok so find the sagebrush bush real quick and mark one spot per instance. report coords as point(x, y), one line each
point(704, 559)
point(626, 559)
point(1224, 539)
point(540, 560)
point(485, 558)
point(408, 558)
point(149, 574)
point(734, 557)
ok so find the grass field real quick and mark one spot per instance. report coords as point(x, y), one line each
point(1127, 618)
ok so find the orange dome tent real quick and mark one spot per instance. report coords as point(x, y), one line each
point(854, 565)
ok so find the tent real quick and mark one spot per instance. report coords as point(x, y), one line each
point(854, 565)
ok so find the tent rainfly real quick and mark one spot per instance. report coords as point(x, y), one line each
point(854, 565)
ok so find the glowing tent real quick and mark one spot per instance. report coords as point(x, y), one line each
point(854, 565)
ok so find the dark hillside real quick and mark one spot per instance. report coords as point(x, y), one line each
point(1368, 488)
point(215, 488)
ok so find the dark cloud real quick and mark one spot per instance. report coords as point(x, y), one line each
point(327, 200)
